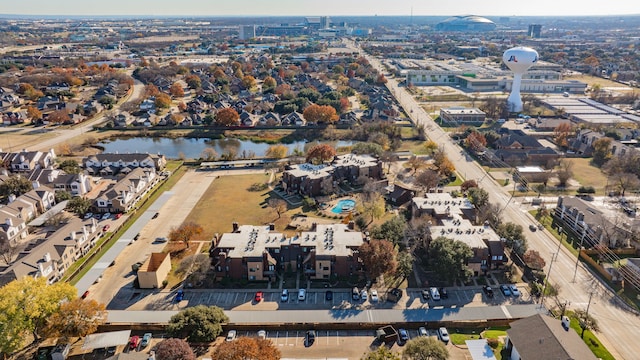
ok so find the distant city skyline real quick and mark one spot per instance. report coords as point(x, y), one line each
point(189, 8)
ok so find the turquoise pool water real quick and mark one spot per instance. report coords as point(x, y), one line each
point(343, 206)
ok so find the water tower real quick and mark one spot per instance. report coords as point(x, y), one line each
point(519, 60)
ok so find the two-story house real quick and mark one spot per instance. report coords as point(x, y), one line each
point(108, 164)
point(124, 194)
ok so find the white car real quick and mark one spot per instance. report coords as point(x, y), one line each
point(514, 290)
point(285, 295)
point(422, 331)
point(363, 295)
point(231, 335)
point(443, 334)
point(262, 334)
point(302, 294)
point(435, 294)
point(88, 216)
point(373, 294)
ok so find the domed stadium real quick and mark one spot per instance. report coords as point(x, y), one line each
point(466, 23)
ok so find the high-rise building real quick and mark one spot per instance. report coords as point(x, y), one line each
point(247, 32)
point(534, 31)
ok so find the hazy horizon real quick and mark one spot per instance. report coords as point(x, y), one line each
point(255, 8)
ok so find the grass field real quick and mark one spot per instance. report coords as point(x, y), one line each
point(593, 80)
point(588, 175)
point(227, 200)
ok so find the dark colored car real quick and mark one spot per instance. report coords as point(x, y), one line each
point(155, 215)
point(394, 295)
point(443, 293)
point(532, 227)
point(179, 295)
point(328, 295)
point(488, 290)
point(425, 294)
point(85, 294)
point(403, 334)
point(310, 337)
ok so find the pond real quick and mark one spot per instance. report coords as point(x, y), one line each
point(193, 148)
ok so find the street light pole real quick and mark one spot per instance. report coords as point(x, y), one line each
point(553, 258)
point(575, 271)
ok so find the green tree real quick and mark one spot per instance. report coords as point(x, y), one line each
point(79, 205)
point(269, 82)
point(193, 81)
point(514, 237)
point(62, 196)
point(70, 166)
point(16, 185)
point(478, 197)
point(601, 151)
point(25, 306)
point(405, 264)
point(199, 323)
point(378, 257)
point(447, 257)
point(425, 348)
point(371, 205)
point(586, 321)
point(381, 353)
point(174, 349)
point(392, 230)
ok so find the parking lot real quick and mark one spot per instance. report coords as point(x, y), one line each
point(136, 299)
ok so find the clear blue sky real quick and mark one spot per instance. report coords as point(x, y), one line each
point(319, 7)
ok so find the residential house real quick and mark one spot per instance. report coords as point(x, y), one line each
point(12, 227)
point(294, 119)
point(51, 257)
point(122, 196)
point(590, 224)
point(269, 119)
point(255, 253)
point(27, 161)
point(148, 104)
point(400, 194)
point(154, 271)
point(122, 119)
point(95, 163)
point(15, 117)
point(59, 180)
point(248, 119)
point(517, 148)
point(50, 103)
point(543, 337)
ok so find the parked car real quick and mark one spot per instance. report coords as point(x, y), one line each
point(422, 331)
point(443, 293)
point(105, 228)
point(231, 335)
point(162, 240)
point(443, 334)
point(85, 294)
point(355, 294)
point(373, 295)
point(425, 294)
point(328, 295)
point(259, 296)
point(514, 290)
point(285, 295)
point(435, 294)
point(310, 337)
point(505, 290)
point(137, 236)
point(118, 216)
point(363, 295)
point(403, 335)
point(262, 334)
point(179, 295)
point(106, 216)
point(302, 294)
point(394, 295)
point(146, 339)
point(155, 215)
point(88, 216)
point(488, 290)
point(134, 342)
point(532, 227)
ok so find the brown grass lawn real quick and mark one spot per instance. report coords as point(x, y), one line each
point(228, 200)
point(587, 174)
point(593, 80)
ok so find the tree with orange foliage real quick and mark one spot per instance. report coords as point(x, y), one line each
point(378, 257)
point(561, 134)
point(476, 141)
point(248, 82)
point(185, 232)
point(193, 81)
point(76, 318)
point(345, 104)
point(151, 90)
point(269, 82)
point(283, 88)
point(322, 114)
point(182, 106)
point(33, 113)
point(227, 117)
point(176, 90)
point(320, 153)
point(381, 80)
point(59, 116)
point(245, 348)
point(163, 101)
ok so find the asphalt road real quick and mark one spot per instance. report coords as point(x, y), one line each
point(618, 325)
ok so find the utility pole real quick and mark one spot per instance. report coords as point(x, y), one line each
point(575, 271)
point(586, 313)
point(553, 258)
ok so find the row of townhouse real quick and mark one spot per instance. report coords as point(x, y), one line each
point(126, 192)
point(53, 255)
point(454, 220)
point(256, 253)
point(26, 161)
point(107, 164)
point(15, 215)
point(307, 179)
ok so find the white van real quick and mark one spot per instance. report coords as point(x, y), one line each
point(435, 294)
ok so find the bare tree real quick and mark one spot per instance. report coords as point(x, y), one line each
point(279, 205)
point(624, 182)
point(427, 179)
point(8, 252)
point(565, 172)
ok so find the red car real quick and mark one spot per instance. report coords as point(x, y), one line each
point(133, 342)
point(106, 227)
point(259, 296)
point(85, 294)
point(118, 215)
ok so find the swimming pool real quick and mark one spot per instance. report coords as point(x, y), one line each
point(344, 206)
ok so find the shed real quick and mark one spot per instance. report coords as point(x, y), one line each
point(154, 271)
point(105, 340)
